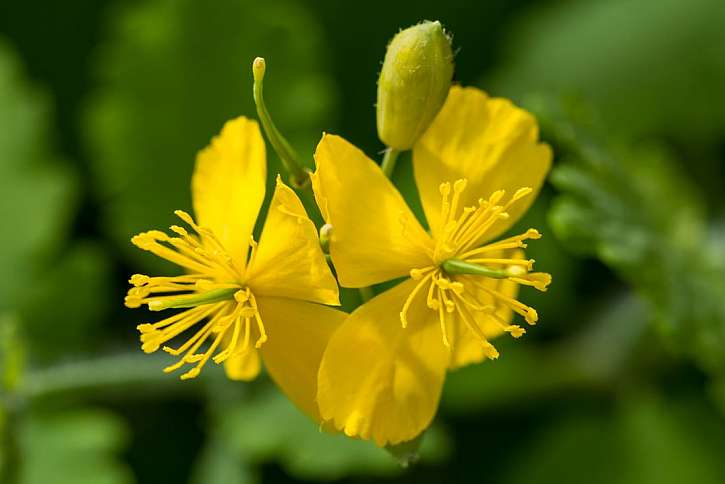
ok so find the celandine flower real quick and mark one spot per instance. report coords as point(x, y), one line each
point(477, 169)
point(241, 299)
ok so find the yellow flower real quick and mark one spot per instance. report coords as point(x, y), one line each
point(477, 170)
point(242, 300)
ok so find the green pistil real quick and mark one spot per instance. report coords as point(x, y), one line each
point(457, 266)
point(216, 295)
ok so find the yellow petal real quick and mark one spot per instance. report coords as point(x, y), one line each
point(289, 261)
point(379, 381)
point(228, 185)
point(243, 367)
point(488, 141)
point(375, 236)
point(298, 334)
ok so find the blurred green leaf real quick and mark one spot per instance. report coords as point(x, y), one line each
point(218, 464)
point(37, 189)
point(634, 209)
point(12, 354)
point(75, 290)
point(651, 66)
point(643, 439)
point(170, 74)
point(270, 428)
point(594, 357)
point(74, 447)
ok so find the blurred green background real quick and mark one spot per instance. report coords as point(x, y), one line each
point(103, 105)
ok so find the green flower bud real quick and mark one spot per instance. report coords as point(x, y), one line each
point(413, 83)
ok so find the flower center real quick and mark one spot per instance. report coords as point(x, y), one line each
point(213, 291)
point(459, 283)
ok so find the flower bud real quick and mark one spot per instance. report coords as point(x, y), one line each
point(413, 83)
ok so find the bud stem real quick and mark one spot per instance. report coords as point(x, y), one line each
point(366, 293)
point(389, 159)
point(457, 266)
point(299, 175)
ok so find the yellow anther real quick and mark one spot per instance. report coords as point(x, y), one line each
point(132, 301)
point(150, 346)
point(417, 274)
point(242, 295)
point(139, 279)
point(515, 330)
point(179, 230)
point(496, 197)
point(490, 351)
point(521, 193)
point(444, 189)
point(457, 287)
point(185, 217)
point(193, 373)
point(533, 234)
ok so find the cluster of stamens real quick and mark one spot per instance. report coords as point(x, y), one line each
point(456, 280)
point(213, 290)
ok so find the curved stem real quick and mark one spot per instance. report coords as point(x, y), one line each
point(299, 175)
point(92, 375)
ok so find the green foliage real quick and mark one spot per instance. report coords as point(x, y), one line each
point(636, 210)
point(594, 357)
point(171, 73)
point(82, 440)
point(651, 66)
point(641, 439)
point(37, 191)
point(269, 428)
point(87, 266)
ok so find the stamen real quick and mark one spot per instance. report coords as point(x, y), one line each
point(445, 190)
point(509, 262)
point(184, 347)
point(149, 241)
point(223, 355)
point(514, 242)
point(194, 372)
point(529, 313)
point(538, 280)
point(411, 296)
point(260, 326)
point(442, 319)
point(431, 302)
point(488, 349)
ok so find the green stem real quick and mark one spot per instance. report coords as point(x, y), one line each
point(107, 372)
point(299, 175)
point(389, 159)
point(366, 293)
